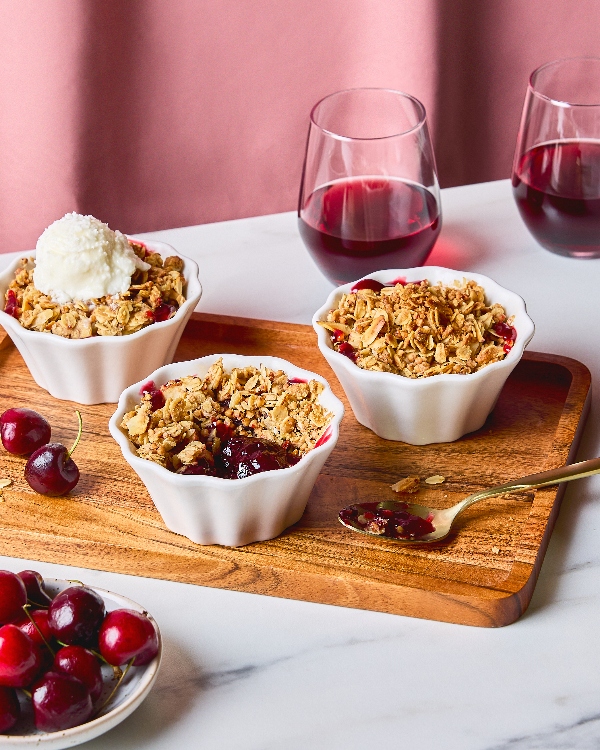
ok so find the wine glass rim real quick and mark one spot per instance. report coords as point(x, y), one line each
point(551, 99)
point(422, 115)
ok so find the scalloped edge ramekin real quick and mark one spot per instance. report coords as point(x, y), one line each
point(230, 512)
point(438, 409)
point(97, 369)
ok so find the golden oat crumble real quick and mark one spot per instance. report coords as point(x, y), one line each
point(155, 294)
point(250, 401)
point(407, 484)
point(418, 329)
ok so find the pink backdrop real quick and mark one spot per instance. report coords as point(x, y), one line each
point(160, 113)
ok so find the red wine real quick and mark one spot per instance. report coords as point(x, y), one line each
point(557, 189)
point(358, 225)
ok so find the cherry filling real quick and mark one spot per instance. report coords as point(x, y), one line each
point(395, 524)
point(347, 350)
point(11, 307)
point(376, 286)
point(244, 456)
point(508, 333)
point(164, 312)
point(241, 456)
point(157, 399)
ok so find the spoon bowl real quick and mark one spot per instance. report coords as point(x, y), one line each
point(411, 523)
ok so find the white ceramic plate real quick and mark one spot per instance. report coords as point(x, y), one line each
point(133, 690)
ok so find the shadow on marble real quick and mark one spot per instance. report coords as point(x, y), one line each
point(178, 686)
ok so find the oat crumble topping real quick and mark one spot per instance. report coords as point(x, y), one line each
point(154, 295)
point(407, 484)
point(418, 330)
point(193, 414)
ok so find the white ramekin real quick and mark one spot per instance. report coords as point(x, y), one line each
point(231, 512)
point(438, 409)
point(97, 369)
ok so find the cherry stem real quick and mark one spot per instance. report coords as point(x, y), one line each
point(116, 687)
point(35, 625)
point(116, 670)
point(79, 431)
point(27, 693)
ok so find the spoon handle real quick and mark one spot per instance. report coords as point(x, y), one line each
point(543, 479)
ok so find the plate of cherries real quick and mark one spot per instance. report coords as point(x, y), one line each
point(75, 660)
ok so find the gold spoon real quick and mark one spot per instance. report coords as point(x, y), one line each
point(411, 523)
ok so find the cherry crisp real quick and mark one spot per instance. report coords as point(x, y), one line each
point(228, 424)
point(418, 329)
point(154, 295)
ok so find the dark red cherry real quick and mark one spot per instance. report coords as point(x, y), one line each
point(75, 615)
point(244, 456)
point(202, 468)
point(34, 583)
point(11, 306)
point(13, 595)
point(82, 664)
point(60, 702)
point(164, 312)
point(20, 658)
point(157, 399)
point(125, 635)
point(376, 286)
point(50, 470)
point(347, 350)
point(505, 331)
point(42, 625)
point(10, 710)
point(23, 431)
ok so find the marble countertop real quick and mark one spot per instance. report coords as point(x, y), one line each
point(259, 673)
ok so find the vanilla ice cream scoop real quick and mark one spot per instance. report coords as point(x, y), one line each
point(80, 258)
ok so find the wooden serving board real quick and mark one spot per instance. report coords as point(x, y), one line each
point(484, 574)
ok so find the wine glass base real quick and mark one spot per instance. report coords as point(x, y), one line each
point(583, 253)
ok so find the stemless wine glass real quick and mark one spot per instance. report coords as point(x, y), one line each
point(369, 196)
point(556, 170)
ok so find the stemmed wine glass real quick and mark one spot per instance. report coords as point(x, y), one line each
point(369, 196)
point(556, 171)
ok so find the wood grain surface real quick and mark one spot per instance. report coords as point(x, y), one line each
point(484, 574)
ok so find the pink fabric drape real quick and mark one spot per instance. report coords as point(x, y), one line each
point(161, 113)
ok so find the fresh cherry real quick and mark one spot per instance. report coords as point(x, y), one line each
point(50, 470)
point(75, 615)
point(20, 658)
point(60, 702)
point(13, 595)
point(23, 430)
point(10, 710)
point(40, 625)
point(82, 664)
point(34, 583)
point(125, 635)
